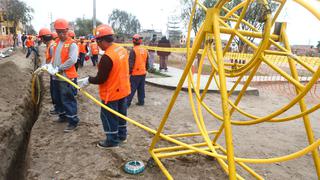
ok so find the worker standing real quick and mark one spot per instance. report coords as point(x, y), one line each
point(71, 34)
point(46, 37)
point(63, 60)
point(94, 52)
point(83, 49)
point(138, 63)
point(114, 86)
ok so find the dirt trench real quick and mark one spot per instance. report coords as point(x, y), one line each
point(17, 114)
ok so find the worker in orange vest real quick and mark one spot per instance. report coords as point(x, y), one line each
point(64, 57)
point(94, 51)
point(138, 63)
point(114, 86)
point(83, 49)
point(30, 45)
point(46, 36)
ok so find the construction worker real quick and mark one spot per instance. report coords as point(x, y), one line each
point(30, 45)
point(114, 86)
point(46, 37)
point(138, 63)
point(94, 51)
point(83, 49)
point(64, 57)
point(71, 34)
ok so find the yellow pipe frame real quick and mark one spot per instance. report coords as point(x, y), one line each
point(213, 26)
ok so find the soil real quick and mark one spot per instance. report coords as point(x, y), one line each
point(53, 154)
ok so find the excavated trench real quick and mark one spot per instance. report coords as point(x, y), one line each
point(18, 113)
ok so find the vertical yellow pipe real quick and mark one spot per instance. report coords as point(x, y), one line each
point(224, 95)
point(303, 107)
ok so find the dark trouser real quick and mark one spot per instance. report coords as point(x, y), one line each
point(81, 59)
point(31, 49)
point(68, 102)
point(52, 94)
point(94, 59)
point(56, 97)
point(114, 127)
point(163, 62)
point(137, 83)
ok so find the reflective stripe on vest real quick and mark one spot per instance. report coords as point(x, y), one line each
point(117, 86)
point(94, 48)
point(71, 72)
point(139, 67)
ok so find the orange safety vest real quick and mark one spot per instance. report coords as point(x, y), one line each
point(117, 86)
point(139, 67)
point(94, 48)
point(71, 72)
point(82, 48)
point(48, 56)
point(29, 43)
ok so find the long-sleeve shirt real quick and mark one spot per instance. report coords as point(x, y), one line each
point(73, 56)
point(132, 59)
point(104, 69)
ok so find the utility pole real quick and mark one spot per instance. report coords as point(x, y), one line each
point(51, 29)
point(94, 17)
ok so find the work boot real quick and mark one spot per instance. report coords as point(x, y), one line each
point(139, 104)
point(106, 145)
point(70, 128)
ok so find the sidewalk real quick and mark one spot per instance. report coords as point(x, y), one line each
point(172, 82)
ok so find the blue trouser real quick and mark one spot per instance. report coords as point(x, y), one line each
point(68, 102)
point(94, 59)
point(58, 107)
point(81, 59)
point(137, 83)
point(114, 127)
point(31, 49)
point(52, 93)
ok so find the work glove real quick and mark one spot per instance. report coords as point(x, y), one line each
point(83, 82)
point(52, 70)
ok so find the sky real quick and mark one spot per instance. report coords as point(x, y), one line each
point(303, 27)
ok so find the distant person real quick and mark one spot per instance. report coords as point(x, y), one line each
point(94, 49)
point(114, 86)
point(23, 39)
point(138, 66)
point(83, 50)
point(30, 45)
point(71, 34)
point(163, 55)
point(152, 53)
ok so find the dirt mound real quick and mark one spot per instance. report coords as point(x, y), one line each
point(16, 114)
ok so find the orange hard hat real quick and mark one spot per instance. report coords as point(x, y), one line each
point(44, 31)
point(61, 24)
point(104, 30)
point(137, 38)
point(71, 33)
point(54, 35)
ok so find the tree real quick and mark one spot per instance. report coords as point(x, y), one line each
point(17, 11)
point(124, 23)
point(198, 16)
point(254, 15)
point(318, 46)
point(84, 27)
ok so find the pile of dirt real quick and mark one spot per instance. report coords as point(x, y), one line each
point(16, 114)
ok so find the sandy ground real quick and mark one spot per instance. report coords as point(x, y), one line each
point(54, 154)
